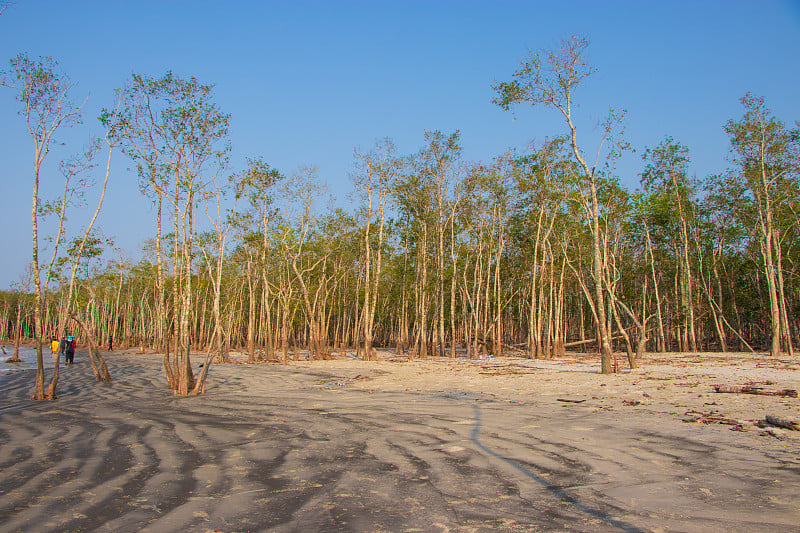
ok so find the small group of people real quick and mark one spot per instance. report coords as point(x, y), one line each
point(65, 347)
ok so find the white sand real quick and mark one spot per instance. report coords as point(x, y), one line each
point(433, 445)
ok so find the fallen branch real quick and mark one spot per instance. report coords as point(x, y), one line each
point(782, 423)
point(589, 341)
point(712, 417)
point(786, 393)
point(487, 341)
point(578, 343)
point(772, 433)
point(570, 401)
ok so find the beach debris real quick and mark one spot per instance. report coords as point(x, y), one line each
point(569, 400)
point(494, 370)
point(779, 422)
point(748, 389)
point(773, 433)
point(712, 417)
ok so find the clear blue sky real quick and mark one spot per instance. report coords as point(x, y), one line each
point(306, 82)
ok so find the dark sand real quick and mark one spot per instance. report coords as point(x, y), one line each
point(352, 446)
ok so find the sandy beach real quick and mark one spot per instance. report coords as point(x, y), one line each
point(506, 444)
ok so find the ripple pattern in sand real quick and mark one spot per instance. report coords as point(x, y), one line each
point(272, 448)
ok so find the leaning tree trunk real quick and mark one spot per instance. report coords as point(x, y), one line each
point(100, 369)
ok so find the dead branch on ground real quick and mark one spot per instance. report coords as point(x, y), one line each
point(786, 393)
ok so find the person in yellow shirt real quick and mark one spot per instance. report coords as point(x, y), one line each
point(54, 344)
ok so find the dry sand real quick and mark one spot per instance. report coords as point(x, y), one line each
point(433, 445)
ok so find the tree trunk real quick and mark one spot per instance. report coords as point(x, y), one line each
point(100, 368)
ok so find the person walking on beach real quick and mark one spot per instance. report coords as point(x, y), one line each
point(54, 345)
point(110, 343)
point(70, 351)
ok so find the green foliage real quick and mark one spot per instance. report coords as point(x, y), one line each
point(547, 77)
point(515, 224)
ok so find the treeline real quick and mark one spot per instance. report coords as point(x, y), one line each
point(533, 253)
point(444, 256)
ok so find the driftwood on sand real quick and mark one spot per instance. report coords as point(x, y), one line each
point(786, 393)
point(569, 400)
point(782, 423)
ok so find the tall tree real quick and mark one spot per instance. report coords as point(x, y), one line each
point(550, 78)
point(375, 171)
point(213, 250)
point(43, 90)
point(256, 186)
point(302, 191)
point(666, 173)
point(768, 156)
point(540, 192)
point(178, 137)
point(434, 165)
